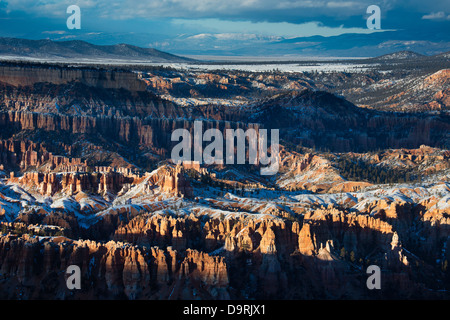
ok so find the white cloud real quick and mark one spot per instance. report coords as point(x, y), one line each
point(436, 16)
point(343, 4)
point(233, 37)
point(281, 29)
point(300, 4)
point(54, 32)
point(131, 9)
point(262, 10)
point(51, 8)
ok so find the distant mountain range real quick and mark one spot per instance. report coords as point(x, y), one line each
point(362, 45)
point(81, 50)
point(344, 45)
point(400, 55)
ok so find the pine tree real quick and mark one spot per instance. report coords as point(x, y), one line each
point(352, 256)
point(343, 252)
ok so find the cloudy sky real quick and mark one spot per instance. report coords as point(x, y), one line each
point(187, 24)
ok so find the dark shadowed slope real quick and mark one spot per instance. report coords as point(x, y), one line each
point(47, 49)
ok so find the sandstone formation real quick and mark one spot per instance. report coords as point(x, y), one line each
point(86, 179)
point(28, 76)
point(109, 270)
point(71, 183)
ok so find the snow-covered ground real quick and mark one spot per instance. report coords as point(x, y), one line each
point(267, 67)
point(204, 101)
point(255, 64)
point(147, 196)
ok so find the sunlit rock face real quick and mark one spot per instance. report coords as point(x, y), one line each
point(86, 179)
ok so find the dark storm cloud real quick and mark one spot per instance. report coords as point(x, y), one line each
point(255, 10)
point(145, 22)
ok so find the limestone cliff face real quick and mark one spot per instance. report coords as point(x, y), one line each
point(314, 118)
point(148, 132)
point(171, 257)
point(306, 240)
point(205, 268)
point(72, 183)
point(268, 251)
point(84, 141)
point(29, 76)
point(170, 180)
point(160, 230)
point(23, 154)
point(138, 116)
point(108, 270)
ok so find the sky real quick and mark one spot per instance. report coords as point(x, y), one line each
point(194, 26)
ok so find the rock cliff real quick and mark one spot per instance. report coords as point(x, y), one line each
point(108, 270)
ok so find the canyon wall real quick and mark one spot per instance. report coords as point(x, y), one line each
point(137, 254)
point(150, 132)
point(109, 270)
point(30, 75)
